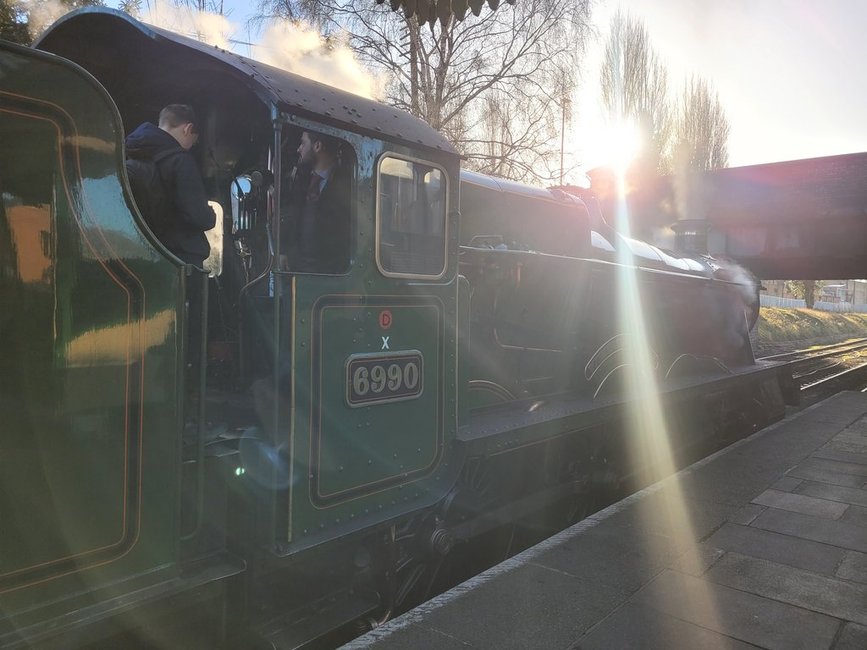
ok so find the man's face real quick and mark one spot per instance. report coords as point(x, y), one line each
point(306, 150)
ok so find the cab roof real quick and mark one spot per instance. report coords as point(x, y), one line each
point(99, 29)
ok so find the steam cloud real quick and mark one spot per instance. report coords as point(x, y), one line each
point(297, 48)
point(203, 26)
point(41, 13)
point(304, 51)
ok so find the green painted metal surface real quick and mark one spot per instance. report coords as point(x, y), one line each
point(371, 461)
point(88, 351)
point(362, 447)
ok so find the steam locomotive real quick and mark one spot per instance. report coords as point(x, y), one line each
point(356, 437)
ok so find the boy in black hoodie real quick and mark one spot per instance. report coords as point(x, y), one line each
point(189, 214)
point(187, 217)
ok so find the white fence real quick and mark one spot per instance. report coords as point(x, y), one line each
point(840, 306)
point(794, 303)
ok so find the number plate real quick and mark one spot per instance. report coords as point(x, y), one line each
point(389, 377)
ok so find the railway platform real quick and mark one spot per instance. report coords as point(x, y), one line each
point(763, 544)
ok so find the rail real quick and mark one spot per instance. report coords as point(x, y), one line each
point(853, 373)
point(826, 367)
point(818, 352)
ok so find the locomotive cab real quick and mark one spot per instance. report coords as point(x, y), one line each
point(300, 333)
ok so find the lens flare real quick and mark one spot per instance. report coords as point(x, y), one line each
point(665, 524)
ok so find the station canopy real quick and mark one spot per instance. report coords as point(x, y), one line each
point(430, 11)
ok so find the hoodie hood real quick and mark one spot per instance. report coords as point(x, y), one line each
point(147, 141)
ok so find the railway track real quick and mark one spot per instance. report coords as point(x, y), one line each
point(828, 368)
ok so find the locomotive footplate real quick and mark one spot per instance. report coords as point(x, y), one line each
point(507, 426)
point(201, 582)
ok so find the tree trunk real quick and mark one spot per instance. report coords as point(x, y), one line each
point(810, 293)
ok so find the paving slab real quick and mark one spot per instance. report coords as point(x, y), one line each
point(745, 515)
point(638, 627)
point(697, 561)
point(619, 561)
point(849, 441)
point(673, 513)
point(827, 476)
point(853, 637)
point(829, 453)
point(858, 425)
point(806, 505)
point(843, 409)
point(731, 482)
point(785, 549)
point(855, 515)
point(822, 464)
point(854, 567)
point(855, 496)
point(848, 398)
point(747, 617)
point(843, 445)
point(835, 533)
point(854, 434)
point(529, 607)
point(831, 596)
point(787, 484)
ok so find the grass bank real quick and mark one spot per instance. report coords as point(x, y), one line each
point(777, 325)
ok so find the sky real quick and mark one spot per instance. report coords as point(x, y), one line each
point(788, 72)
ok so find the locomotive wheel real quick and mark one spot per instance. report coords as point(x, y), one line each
point(411, 559)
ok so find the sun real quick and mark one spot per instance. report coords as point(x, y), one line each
point(614, 144)
point(625, 139)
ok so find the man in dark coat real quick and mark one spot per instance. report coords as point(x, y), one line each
point(189, 214)
point(187, 217)
point(317, 220)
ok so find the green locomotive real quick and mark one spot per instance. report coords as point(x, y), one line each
point(358, 426)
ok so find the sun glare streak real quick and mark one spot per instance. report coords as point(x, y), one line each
point(666, 524)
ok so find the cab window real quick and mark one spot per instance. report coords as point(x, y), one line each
point(317, 201)
point(411, 218)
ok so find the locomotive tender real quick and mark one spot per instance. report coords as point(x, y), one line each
point(357, 430)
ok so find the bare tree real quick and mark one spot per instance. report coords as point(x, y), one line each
point(132, 7)
point(701, 129)
point(808, 290)
point(635, 89)
point(493, 84)
point(13, 22)
point(209, 6)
